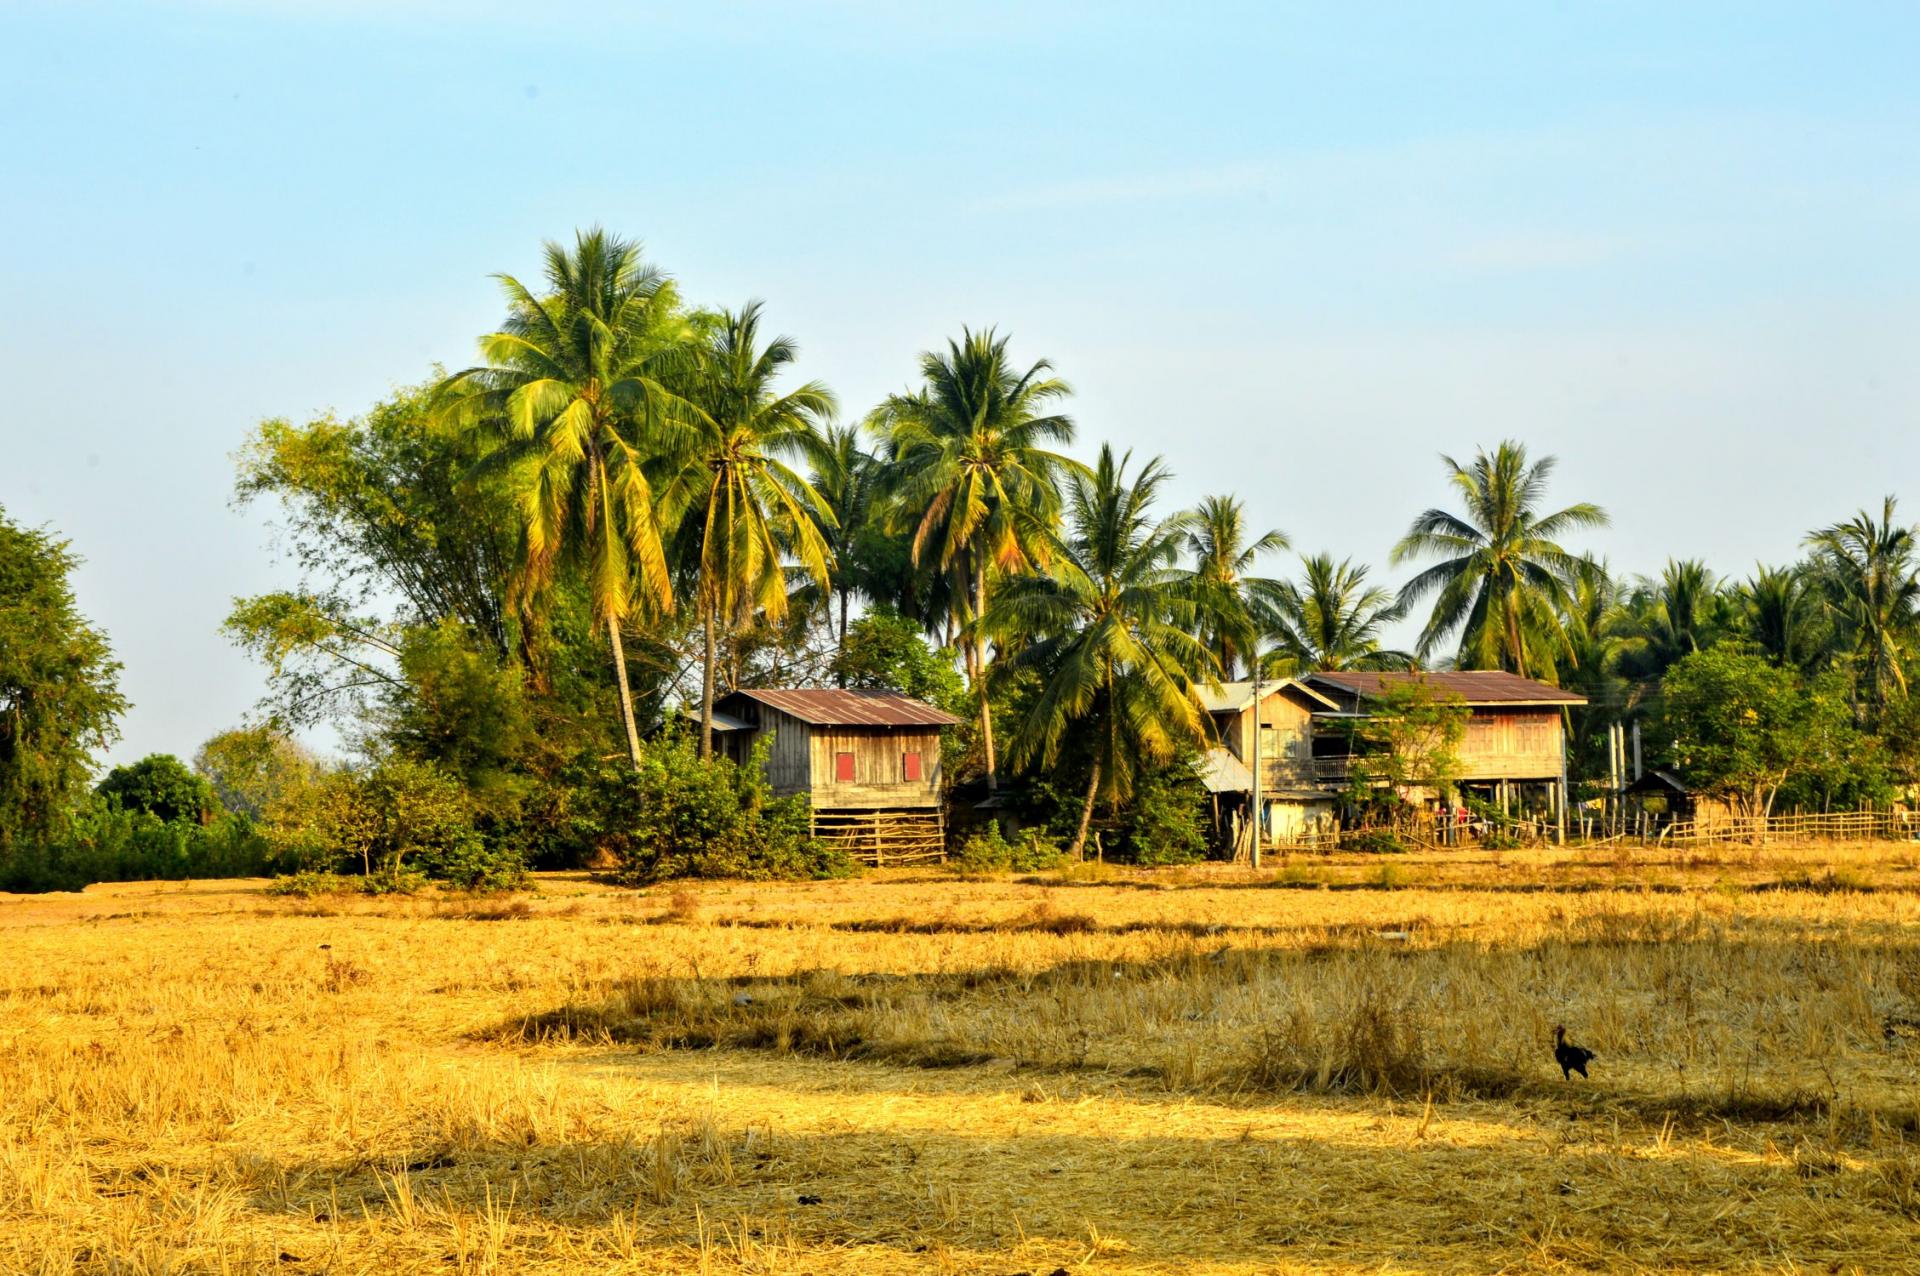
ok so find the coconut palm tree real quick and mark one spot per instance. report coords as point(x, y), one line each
point(1783, 616)
point(1109, 629)
point(572, 395)
point(973, 476)
point(1665, 619)
point(1329, 620)
point(1872, 585)
point(1503, 577)
point(1223, 562)
point(1590, 622)
point(745, 510)
point(1591, 606)
point(847, 479)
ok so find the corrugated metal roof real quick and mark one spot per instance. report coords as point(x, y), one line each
point(827, 707)
point(721, 721)
point(1234, 696)
point(1221, 772)
point(1477, 686)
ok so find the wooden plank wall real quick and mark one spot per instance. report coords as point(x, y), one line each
point(1511, 744)
point(789, 765)
point(1286, 754)
point(878, 774)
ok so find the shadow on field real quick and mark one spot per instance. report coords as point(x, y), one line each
point(1393, 877)
point(1048, 1199)
point(1156, 1026)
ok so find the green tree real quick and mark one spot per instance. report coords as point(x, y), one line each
point(681, 815)
point(1840, 768)
point(1589, 620)
point(1408, 741)
point(1899, 736)
point(1503, 579)
point(1224, 560)
point(162, 786)
point(1872, 579)
point(388, 534)
point(973, 476)
point(379, 508)
point(1331, 619)
point(1108, 629)
point(460, 707)
point(250, 767)
point(884, 651)
point(59, 687)
point(575, 398)
point(1736, 725)
point(395, 817)
point(746, 510)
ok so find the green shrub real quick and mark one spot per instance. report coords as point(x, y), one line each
point(109, 843)
point(679, 815)
point(989, 852)
point(1167, 819)
point(1374, 841)
point(397, 818)
point(307, 883)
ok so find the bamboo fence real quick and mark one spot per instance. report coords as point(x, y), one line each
point(880, 838)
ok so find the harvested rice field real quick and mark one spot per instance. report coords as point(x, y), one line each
point(1333, 1064)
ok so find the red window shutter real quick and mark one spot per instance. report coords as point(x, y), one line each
point(910, 766)
point(843, 767)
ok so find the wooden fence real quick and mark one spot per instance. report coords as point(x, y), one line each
point(1831, 826)
point(1835, 826)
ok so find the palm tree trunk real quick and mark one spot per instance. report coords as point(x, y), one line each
point(980, 673)
point(706, 683)
point(841, 664)
point(1079, 847)
point(626, 691)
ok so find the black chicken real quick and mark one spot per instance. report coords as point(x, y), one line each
point(1571, 1058)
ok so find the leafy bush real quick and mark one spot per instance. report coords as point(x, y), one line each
point(109, 843)
point(990, 852)
point(307, 884)
point(1374, 841)
point(399, 816)
point(681, 816)
point(1167, 819)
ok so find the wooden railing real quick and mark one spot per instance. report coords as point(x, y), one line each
point(1332, 768)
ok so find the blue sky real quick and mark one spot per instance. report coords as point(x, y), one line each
point(1300, 250)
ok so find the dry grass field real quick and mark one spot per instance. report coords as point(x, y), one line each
point(1336, 1064)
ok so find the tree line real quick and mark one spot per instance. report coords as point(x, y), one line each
point(516, 578)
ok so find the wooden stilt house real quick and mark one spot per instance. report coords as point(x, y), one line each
point(1513, 752)
point(867, 761)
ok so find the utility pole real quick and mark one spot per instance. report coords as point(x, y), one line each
point(1636, 753)
point(1613, 774)
point(1257, 821)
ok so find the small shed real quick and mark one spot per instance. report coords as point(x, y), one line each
point(1676, 801)
point(867, 761)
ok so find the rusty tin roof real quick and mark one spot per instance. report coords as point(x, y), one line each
point(827, 707)
point(1476, 686)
